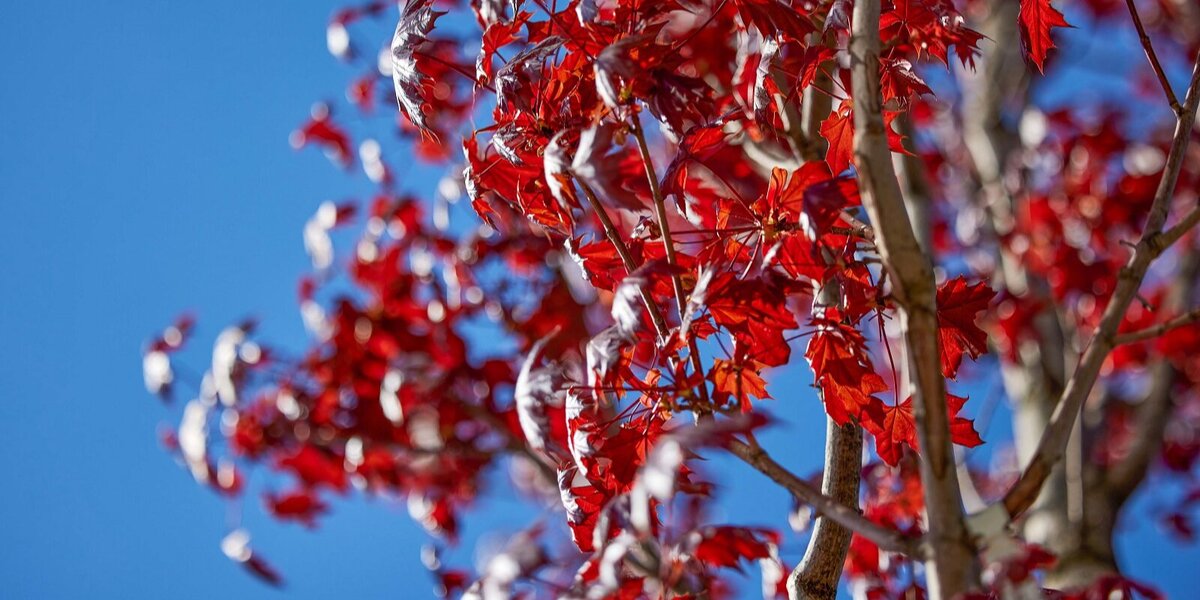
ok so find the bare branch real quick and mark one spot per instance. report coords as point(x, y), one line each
point(1154, 331)
point(1153, 57)
point(1155, 411)
point(1174, 233)
point(884, 537)
point(815, 108)
point(1150, 246)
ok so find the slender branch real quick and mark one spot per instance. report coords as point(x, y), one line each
point(513, 443)
point(884, 537)
point(1152, 244)
point(1154, 331)
point(1172, 234)
point(614, 236)
point(950, 558)
point(660, 209)
point(1153, 57)
point(660, 213)
point(1155, 411)
point(857, 227)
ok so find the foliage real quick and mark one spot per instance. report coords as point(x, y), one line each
point(666, 206)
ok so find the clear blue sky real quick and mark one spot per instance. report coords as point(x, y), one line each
point(145, 169)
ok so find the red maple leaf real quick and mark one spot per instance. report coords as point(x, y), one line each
point(838, 130)
point(958, 304)
point(315, 467)
point(1036, 19)
point(725, 546)
point(843, 371)
point(738, 380)
point(899, 428)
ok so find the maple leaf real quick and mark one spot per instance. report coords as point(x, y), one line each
point(775, 18)
point(315, 467)
point(323, 132)
point(301, 505)
point(738, 380)
point(848, 395)
point(496, 36)
point(958, 305)
point(726, 546)
point(962, 430)
point(838, 130)
point(534, 394)
point(1035, 20)
point(811, 193)
point(898, 428)
point(842, 369)
point(412, 30)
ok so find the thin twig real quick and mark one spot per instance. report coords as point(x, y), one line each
point(1150, 54)
point(660, 213)
point(1154, 331)
point(614, 236)
point(1154, 413)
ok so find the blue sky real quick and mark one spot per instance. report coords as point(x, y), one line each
point(145, 169)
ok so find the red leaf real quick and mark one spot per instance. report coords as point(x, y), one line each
point(962, 430)
point(411, 85)
point(841, 367)
point(899, 428)
point(726, 546)
point(738, 380)
point(838, 130)
point(315, 467)
point(958, 305)
point(301, 506)
point(1036, 19)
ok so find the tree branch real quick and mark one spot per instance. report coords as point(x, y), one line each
point(1155, 411)
point(950, 557)
point(1150, 246)
point(1153, 57)
point(814, 109)
point(660, 213)
point(818, 573)
point(1154, 331)
point(614, 236)
point(816, 576)
point(886, 538)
